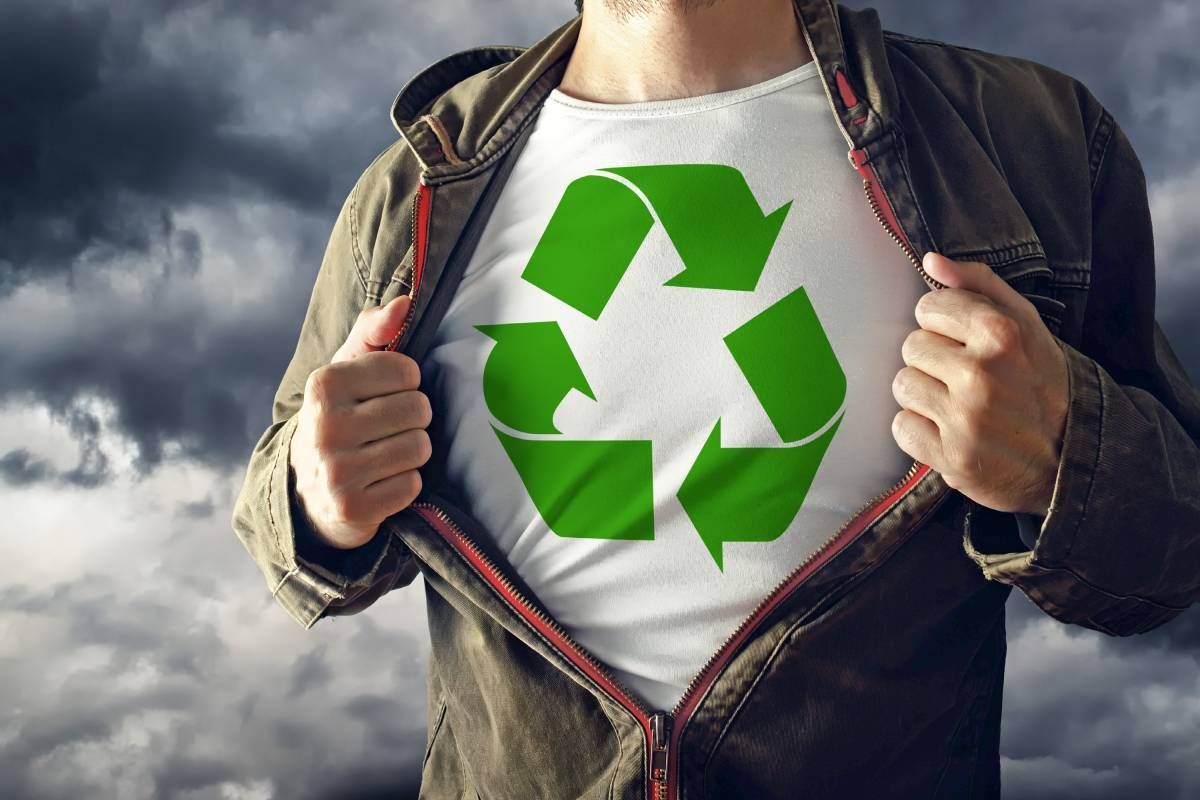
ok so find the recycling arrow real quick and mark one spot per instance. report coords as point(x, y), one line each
point(538, 352)
point(708, 211)
point(603, 488)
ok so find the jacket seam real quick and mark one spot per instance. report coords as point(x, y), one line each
point(815, 609)
point(1087, 498)
point(904, 37)
point(1102, 139)
point(966, 713)
point(903, 161)
point(437, 728)
point(360, 264)
point(612, 781)
point(499, 149)
point(571, 668)
point(1054, 567)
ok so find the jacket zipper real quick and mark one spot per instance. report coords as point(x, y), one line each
point(663, 728)
point(419, 237)
point(884, 211)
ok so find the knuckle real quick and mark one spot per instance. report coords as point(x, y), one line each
point(337, 472)
point(961, 456)
point(424, 446)
point(411, 486)
point(971, 424)
point(908, 348)
point(316, 385)
point(424, 409)
point(974, 376)
point(345, 507)
point(410, 371)
point(324, 432)
point(1001, 331)
point(925, 303)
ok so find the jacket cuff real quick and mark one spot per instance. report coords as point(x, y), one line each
point(1043, 572)
point(351, 564)
point(316, 574)
point(1029, 527)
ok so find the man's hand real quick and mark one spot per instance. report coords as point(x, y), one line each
point(361, 433)
point(984, 390)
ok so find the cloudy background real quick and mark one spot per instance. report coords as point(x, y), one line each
point(169, 172)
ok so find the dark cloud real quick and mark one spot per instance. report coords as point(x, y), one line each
point(196, 509)
point(19, 468)
point(100, 146)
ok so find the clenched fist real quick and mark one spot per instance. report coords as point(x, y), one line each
point(361, 436)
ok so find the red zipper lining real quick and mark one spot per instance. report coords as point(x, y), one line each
point(846, 92)
point(852, 532)
point(420, 242)
point(580, 660)
point(866, 169)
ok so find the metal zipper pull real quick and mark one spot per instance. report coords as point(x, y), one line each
point(660, 739)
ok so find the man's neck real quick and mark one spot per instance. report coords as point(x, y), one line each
point(654, 50)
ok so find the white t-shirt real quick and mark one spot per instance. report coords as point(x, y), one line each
point(692, 319)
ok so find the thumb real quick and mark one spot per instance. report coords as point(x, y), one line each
point(973, 276)
point(374, 328)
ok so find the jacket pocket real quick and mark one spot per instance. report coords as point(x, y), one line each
point(442, 774)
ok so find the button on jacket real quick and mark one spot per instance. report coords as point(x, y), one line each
point(876, 667)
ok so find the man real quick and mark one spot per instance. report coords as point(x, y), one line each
point(627, 345)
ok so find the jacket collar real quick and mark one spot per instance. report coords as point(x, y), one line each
point(460, 112)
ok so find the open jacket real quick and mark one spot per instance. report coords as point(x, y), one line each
point(875, 668)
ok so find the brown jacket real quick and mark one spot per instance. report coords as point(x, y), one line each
point(875, 668)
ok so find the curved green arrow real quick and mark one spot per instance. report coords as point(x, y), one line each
point(749, 494)
point(592, 489)
point(789, 363)
point(528, 373)
point(752, 494)
point(708, 211)
point(590, 241)
point(713, 220)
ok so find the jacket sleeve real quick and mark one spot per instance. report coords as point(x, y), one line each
point(1119, 549)
point(308, 578)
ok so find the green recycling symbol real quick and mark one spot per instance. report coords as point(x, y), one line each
point(603, 489)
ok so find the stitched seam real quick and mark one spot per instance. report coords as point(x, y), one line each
point(1095, 463)
point(612, 782)
point(403, 273)
point(967, 712)
point(484, 163)
point(528, 625)
point(1107, 593)
point(1104, 128)
point(812, 612)
point(360, 264)
point(904, 37)
point(902, 159)
point(443, 138)
point(270, 493)
point(437, 728)
point(1003, 256)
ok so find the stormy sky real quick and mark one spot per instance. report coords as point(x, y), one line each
point(169, 172)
